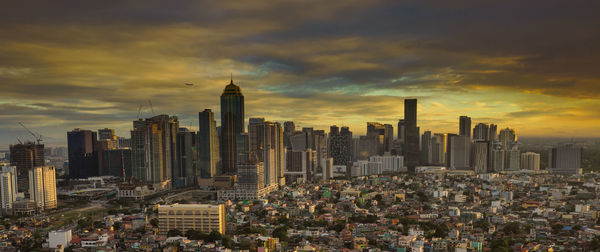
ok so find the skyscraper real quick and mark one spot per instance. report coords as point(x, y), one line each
point(232, 124)
point(8, 188)
point(480, 156)
point(565, 159)
point(426, 148)
point(481, 132)
point(42, 187)
point(438, 149)
point(288, 130)
point(26, 156)
point(508, 138)
point(184, 173)
point(401, 130)
point(154, 149)
point(340, 145)
point(266, 143)
point(411, 133)
point(459, 152)
point(208, 145)
point(465, 126)
point(493, 132)
point(83, 153)
point(382, 135)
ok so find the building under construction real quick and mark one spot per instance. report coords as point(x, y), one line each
point(26, 156)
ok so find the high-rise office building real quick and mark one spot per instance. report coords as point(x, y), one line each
point(401, 130)
point(25, 156)
point(266, 143)
point(508, 138)
point(530, 161)
point(481, 132)
point(438, 149)
point(367, 146)
point(460, 152)
point(8, 189)
point(493, 132)
point(382, 135)
point(411, 133)
point(200, 217)
point(208, 145)
point(340, 145)
point(300, 165)
point(565, 159)
point(448, 149)
point(154, 149)
point(310, 137)
point(184, 174)
point(232, 124)
point(83, 153)
point(42, 187)
point(426, 148)
point(242, 145)
point(321, 149)
point(288, 130)
point(464, 126)
point(117, 163)
point(480, 156)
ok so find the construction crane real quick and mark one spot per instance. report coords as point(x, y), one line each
point(38, 137)
point(139, 111)
point(151, 108)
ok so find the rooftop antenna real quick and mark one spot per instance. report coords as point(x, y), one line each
point(231, 78)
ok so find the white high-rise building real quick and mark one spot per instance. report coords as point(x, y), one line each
point(389, 163)
point(42, 187)
point(8, 187)
point(530, 161)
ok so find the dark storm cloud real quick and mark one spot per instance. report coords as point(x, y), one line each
point(316, 62)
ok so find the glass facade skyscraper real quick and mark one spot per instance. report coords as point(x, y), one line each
point(232, 124)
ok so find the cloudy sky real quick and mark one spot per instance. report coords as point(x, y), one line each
point(90, 64)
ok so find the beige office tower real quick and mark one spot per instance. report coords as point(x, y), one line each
point(42, 187)
point(8, 187)
point(183, 217)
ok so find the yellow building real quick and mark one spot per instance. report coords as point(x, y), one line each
point(42, 187)
point(183, 217)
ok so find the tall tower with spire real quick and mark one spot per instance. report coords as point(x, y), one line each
point(232, 125)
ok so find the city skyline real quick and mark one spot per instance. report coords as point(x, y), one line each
point(71, 68)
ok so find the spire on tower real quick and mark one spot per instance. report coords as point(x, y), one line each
point(231, 79)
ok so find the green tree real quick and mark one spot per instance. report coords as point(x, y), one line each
point(154, 222)
point(281, 233)
point(174, 232)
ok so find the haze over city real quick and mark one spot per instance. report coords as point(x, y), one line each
point(527, 66)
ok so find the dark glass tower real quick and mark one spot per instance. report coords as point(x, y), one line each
point(83, 160)
point(411, 133)
point(208, 145)
point(465, 126)
point(232, 124)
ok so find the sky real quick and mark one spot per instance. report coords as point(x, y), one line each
point(528, 65)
